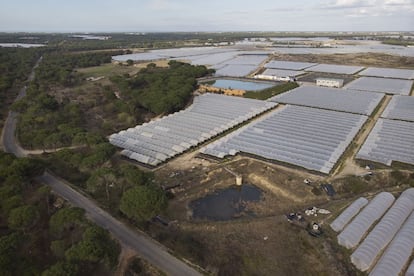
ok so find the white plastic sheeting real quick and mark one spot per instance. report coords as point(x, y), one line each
point(388, 73)
point(389, 86)
point(410, 270)
point(354, 232)
point(282, 72)
point(366, 253)
point(306, 137)
point(398, 252)
point(235, 70)
point(289, 65)
point(359, 102)
point(174, 53)
point(210, 114)
point(389, 141)
point(251, 59)
point(400, 108)
point(346, 216)
point(335, 69)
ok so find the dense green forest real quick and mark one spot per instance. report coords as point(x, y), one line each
point(46, 122)
point(98, 171)
point(58, 67)
point(15, 66)
point(161, 90)
point(39, 235)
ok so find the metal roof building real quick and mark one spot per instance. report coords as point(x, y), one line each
point(367, 252)
point(211, 114)
point(346, 216)
point(353, 232)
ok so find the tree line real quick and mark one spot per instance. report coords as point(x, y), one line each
point(15, 66)
point(44, 121)
point(58, 67)
point(115, 185)
point(40, 237)
point(161, 90)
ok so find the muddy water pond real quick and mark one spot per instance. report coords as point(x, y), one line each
point(226, 204)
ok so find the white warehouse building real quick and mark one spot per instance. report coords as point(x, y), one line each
point(329, 82)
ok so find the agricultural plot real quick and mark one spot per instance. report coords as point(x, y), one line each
point(154, 142)
point(389, 141)
point(147, 56)
point(235, 70)
point(400, 108)
point(359, 102)
point(348, 214)
point(282, 72)
point(397, 254)
point(355, 231)
point(214, 60)
point(389, 86)
point(313, 76)
point(335, 69)
point(388, 73)
point(180, 53)
point(289, 65)
point(410, 270)
point(247, 60)
point(388, 244)
point(306, 137)
point(384, 231)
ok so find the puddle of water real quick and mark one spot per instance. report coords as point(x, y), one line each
point(225, 204)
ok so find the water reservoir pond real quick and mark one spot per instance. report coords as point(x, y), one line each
point(226, 204)
point(241, 85)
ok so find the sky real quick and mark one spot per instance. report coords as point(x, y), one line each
point(205, 15)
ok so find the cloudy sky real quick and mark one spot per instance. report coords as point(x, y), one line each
point(206, 15)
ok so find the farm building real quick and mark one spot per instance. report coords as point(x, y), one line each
point(279, 74)
point(328, 82)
